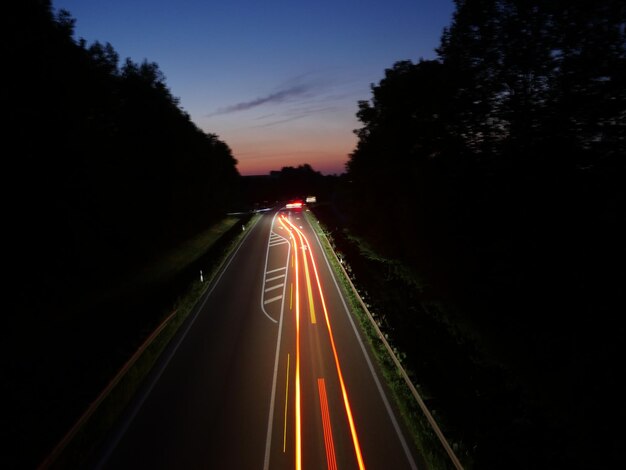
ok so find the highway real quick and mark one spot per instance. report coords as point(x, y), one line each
point(269, 372)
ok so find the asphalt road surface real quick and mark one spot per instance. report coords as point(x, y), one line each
point(268, 373)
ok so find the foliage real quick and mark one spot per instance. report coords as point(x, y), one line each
point(212, 249)
point(102, 157)
point(497, 172)
point(103, 172)
point(287, 183)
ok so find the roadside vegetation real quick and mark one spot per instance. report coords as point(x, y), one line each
point(424, 438)
point(207, 252)
point(106, 174)
point(489, 184)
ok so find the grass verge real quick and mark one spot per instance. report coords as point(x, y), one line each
point(422, 434)
point(92, 428)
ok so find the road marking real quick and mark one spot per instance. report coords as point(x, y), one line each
point(286, 402)
point(276, 270)
point(328, 431)
point(265, 271)
point(277, 286)
point(274, 278)
point(273, 299)
point(309, 290)
point(278, 243)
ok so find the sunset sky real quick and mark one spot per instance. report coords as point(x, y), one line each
point(278, 81)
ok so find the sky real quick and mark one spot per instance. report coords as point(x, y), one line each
point(278, 80)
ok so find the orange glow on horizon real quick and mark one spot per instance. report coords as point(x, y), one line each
point(251, 162)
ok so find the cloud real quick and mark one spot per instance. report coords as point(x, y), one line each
point(276, 97)
point(295, 114)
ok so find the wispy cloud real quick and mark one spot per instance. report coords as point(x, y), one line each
point(318, 93)
point(280, 121)
point(295, 114)
point(279, 96)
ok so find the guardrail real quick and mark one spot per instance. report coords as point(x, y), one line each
point(431, 420)
point(52, 457)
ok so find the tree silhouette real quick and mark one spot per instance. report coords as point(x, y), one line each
point(110, 169)
point(103, 171)
point(503, 161)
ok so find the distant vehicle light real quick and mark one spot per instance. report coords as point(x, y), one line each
point(294, 205)
point(311, 199)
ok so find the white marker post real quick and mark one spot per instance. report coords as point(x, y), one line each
point(201, 278)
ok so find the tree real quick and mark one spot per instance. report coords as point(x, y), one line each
point(402, 146)
point(504, 162)
point(108, 161)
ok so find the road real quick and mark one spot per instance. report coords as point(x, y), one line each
point(268, 373)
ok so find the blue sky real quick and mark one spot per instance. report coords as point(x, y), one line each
point(278, 81)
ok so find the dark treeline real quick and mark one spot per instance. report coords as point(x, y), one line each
point(497, 172)
point(103, 172)
point(285, 184)
point(104, 167)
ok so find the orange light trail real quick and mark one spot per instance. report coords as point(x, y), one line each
point(298, 429)
point(328, 431)
point(308, 287)
point(344, 392)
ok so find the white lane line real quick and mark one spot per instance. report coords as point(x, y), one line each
point(273, 299)
point(274, 287)
point(279, 243)
point(274, 278)
point(276, 270)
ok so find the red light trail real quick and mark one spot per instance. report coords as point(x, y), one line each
point(305, 243)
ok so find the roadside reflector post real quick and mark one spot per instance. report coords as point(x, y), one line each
point(201, 278)
point(243, 228)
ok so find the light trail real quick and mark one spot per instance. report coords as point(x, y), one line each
point(270, 418)
point(328, 431)
point(298, 430)
point(308, 287)
point(344, 392)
